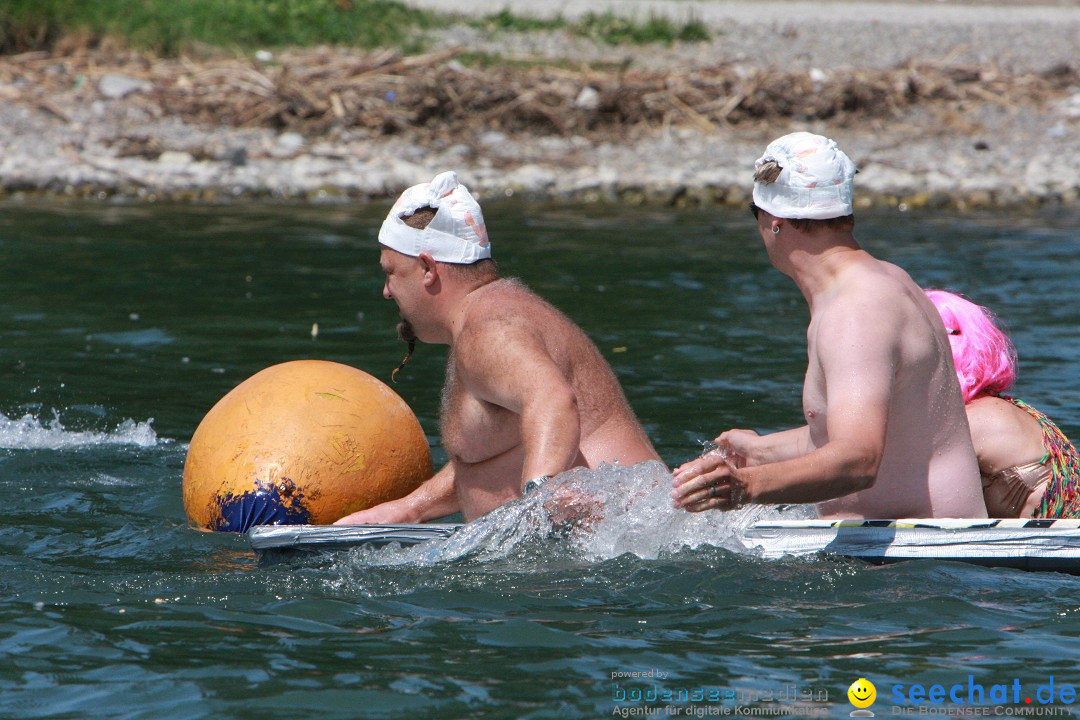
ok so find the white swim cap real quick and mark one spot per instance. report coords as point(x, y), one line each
point(815, 183)
point(456, 234)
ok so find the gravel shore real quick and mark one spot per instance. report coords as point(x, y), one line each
point(987, 148)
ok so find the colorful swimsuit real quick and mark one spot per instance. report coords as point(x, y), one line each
point(1007, 490)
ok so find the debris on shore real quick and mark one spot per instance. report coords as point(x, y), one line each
point(321, 104)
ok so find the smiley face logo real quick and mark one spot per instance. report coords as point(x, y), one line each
point(862, 693)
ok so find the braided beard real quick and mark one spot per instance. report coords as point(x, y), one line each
point(407, 334)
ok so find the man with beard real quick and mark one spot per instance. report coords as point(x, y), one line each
point(527, 394)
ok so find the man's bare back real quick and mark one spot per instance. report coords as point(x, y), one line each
point(506, 324)
point(886, 434)
point(928, 467)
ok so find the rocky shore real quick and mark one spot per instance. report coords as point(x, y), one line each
point(962, 104)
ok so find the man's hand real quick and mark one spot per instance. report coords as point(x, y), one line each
point(742, 447)
point(435, 498)
point(569, 508)
point(388, 513)
point(710, 482)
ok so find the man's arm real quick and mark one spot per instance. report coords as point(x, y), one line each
point(858, 353)
point(509, 366)
point(436, 498)
point(757, 449)
point(744, 448)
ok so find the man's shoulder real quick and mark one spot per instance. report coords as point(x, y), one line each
point(870, 270)
point(502, 307)
point(877, 284)
point(506, 301)
point(874, 300)
point(502, 291)
point(863, 290)
point(505, 331)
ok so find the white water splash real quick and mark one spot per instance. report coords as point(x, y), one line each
point(30, 433)
point(593, 515)
point(639, 518)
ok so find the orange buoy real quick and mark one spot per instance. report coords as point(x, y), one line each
point(307, 441)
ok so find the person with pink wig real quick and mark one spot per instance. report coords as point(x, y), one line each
point(1028, 467)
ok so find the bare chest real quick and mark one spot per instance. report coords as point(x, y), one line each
point(472, 429)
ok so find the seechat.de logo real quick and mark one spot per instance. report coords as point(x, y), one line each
point(862, 695)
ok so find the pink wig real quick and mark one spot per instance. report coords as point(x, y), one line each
point(984, 356)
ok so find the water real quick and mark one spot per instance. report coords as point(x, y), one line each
point(122, 325)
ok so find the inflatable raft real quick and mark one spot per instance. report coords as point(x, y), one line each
point(1027, 544)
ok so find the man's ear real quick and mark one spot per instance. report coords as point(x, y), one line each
point(430, 268)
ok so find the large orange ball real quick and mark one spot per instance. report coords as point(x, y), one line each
point(302, 442)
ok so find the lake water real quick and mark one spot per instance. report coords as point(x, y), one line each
point(122, 325)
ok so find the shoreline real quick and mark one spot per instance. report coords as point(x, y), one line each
point(568, 119)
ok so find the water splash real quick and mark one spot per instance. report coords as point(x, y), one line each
point(638, 516)
point(30, 433)
point(587, 515)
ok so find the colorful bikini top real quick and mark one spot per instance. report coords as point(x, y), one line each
point(1059, 468)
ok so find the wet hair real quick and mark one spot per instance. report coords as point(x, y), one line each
point(984, 356)
point(769, 172)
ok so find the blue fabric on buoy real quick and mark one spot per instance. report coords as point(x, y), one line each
point(267, 504)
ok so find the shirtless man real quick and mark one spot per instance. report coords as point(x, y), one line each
point(886, 435)
point(527, 394)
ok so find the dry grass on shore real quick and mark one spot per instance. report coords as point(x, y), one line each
point(317, 91)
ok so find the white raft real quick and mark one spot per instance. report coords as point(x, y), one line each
point(1019, 543)
point(1025, 544)
point(272, 542)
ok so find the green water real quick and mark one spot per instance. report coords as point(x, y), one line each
point(121, 326)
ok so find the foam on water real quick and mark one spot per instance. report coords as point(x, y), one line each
point(31, 433)
point(591, 515)
point(638, 516)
